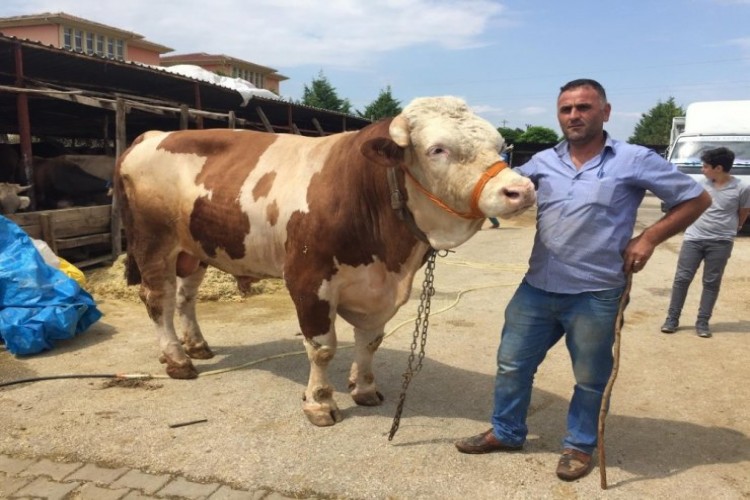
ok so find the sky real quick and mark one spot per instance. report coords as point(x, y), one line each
point(506, 58)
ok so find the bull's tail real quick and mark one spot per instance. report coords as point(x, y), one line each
point(132, 271)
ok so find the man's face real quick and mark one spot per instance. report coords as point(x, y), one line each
point(582, 113)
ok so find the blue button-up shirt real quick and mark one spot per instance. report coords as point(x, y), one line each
point(586, 216)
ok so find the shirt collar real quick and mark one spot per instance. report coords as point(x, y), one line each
point(561, 148)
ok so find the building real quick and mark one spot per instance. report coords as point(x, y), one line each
point(260, 76)
point(64, 31)
point(73, 33)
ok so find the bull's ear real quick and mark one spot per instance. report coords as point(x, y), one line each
point(383, 152)
point(399, 131)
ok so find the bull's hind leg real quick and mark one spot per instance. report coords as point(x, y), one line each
point(187, 292)
point(362, 385)
point(158, 293)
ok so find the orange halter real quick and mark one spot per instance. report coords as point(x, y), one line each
point(474, 213)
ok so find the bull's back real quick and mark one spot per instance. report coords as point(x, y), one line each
point(225, 196)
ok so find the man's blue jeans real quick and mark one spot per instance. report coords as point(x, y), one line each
point(534, 321)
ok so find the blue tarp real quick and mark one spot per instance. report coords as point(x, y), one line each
point(38, 303)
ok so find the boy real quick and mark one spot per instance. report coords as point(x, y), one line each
point(709, 239)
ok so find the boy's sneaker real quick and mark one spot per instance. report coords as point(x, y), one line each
point(670, 325)
point(701, 328)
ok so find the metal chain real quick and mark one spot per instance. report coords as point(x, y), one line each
point(421, 323)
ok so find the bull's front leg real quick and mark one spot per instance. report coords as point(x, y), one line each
point(362, 385)
point(319, 405)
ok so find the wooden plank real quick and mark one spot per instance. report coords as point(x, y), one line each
point(80, 241)
point(72, 222)
point(94, 260)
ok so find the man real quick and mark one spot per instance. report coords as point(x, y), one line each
point(589, 188)
point(709, 239)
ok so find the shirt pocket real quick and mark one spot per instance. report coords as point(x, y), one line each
point(602, 191)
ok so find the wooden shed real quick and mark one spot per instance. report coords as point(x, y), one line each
point(52, 93)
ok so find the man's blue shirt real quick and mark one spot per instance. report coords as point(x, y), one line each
point(586, 216)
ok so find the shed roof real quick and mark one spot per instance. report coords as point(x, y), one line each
point(72, 95)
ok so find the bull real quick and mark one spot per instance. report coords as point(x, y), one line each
point(347, 220)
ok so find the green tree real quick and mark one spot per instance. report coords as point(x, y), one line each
point(321, 94)
point(538, 134)
point(384, 106)
point(510, 135)
point(654, 127)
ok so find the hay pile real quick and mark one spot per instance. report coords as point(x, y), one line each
point(218, 286)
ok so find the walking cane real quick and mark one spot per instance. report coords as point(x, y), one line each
point(619, 321)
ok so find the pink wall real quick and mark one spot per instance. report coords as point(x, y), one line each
point(140, 55)
point(48, 34)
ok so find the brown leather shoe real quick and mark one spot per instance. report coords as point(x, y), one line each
point(573, 464)
point(485, 442)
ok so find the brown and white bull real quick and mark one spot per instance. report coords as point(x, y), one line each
point(317, 211)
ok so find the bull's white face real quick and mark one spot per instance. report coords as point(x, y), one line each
point(448, 148)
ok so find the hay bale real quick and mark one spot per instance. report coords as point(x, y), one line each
point(109, 283)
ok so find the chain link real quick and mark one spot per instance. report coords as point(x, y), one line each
point(421, 323)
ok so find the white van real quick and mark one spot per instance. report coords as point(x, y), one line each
point(709, 125)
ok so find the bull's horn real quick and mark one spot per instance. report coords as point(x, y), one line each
point(20, 188)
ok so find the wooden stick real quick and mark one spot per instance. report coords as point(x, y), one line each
point(603, 409)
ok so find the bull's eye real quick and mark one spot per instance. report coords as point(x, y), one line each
point(437, 151)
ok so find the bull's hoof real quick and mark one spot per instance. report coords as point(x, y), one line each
point(200, 351)
point(323, 418)
point(184, 370)
point(373, 398)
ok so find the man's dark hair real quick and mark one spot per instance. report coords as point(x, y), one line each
point(585, 82)
point(723, 157)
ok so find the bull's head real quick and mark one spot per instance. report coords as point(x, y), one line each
point(455, 176)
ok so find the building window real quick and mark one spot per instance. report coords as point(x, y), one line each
point(89, 43)
point(100, 45)
point(120, 49)
point(78, 41)
point(68, 38)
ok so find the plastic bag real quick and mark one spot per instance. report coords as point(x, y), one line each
point(72, 272)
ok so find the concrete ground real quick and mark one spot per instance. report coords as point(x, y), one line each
point(679, 425)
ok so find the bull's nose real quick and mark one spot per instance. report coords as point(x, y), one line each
point(514, 192)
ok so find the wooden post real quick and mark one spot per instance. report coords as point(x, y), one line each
point(121, 140)
point(24, 128)
point(231, 119)
point(198, 119)
point(184, 117)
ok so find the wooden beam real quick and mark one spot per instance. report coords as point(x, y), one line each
point(264, 119)
point(317, 126)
